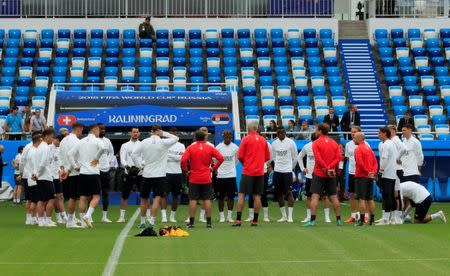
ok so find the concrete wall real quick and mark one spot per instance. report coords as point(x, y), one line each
point(171, 23)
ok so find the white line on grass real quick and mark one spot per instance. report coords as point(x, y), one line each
point(174, 262)
point(117, 249)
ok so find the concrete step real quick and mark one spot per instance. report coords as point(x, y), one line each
point(352, 29)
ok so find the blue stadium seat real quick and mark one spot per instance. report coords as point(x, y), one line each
point(398, 100)
point(419, 52)
point(95, 52)
point(245, 43)
point(325, 34)
point(295, 43)
point(112, 33)
point(443, 80)
point(24, 81)
point(319, 91)
point(212, 52)
point(311, 43)
point(246, 61)
point(22, 91)
point(47, 34)
point(79, 52)
point(164, 43)
point(162, 52)
point(261, 43)
point(129, 52)
point(383, 42)
point(315, 71)
point(262, 52)
point(195, 52)
point(129, 34)
point(309, 33)
point(129, 43)
point(303, 101)
point(145, 43)
point(97, 33)
point(179, 61)
point(195, 34)
point(396, 33)
point(111, 71)
point(227, 33)
point(278, 42)
point(414, 33)
point(385, 52)
point(418, 110)
point(336, 91)
point(40, 91)
point(212, 43)
point(28, 52)
point(280, 61)
point(399, 42)
point(112, 43)
point(282, 71)
point(283, 80)
point(112, 52)
point(64, 33)
point(229, 52)
point(29, 43)
point(387, 61)
point(196, 61)
point(381, 33)
point(228, 43)
point(333, 71)
point(79, 43)
point(243, 33)
point(438, 61)
point(407, 71)
point(230, 71)
point(11, 52)
point(178, 33)
point(432, 99)
point(301, 91)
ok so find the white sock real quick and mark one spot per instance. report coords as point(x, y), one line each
point(229, 214)
point(386, 215)
point(358, 215)
point(290, 212)
point(29, 217)
point(382, 213)
point(172, 214)
point(142, 219)
point(222, 215)
point(308, 213)
point(64, 215)
point(90, 211)
point(48, 220)
point(147, 213)
point(367, 215)
point(105, 214)
point(14, 200)
point(435, 216)
point(152, 220)
point(327, 213)
point(266, 212)
point(41, 221)
point(122, 213)
point(251, 213)
point(202, 214)
point(164, 213)
point(58, 216)
point(70, 218)
point(353, 215)
point(283, 212)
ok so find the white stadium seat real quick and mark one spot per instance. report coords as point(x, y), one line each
point(420, 120)
point(300, 81)
point(268, 118)
point(41, 81)
point(251, 119)
point(329, 52)
point(248, 81)
point(95, 62)
point(284, 90)
point(146, 52)
point(435, 110)
point(402, 52)
point(297, 62)
point(111, 82)
point(162, 81)
point(5, 91)
point(304, 111)
point(268, 101)
point(321, 110)
point(213, 62)
point(267, 90)
point(285, 120)
point(128, 71)
point(293, 33)
point(427, 81)
point(246, 52)
point(248, 72)
point(338, 100)
point(320, 101)
point(179, 71)
point(415, 43)
point(429, 33)
point(264, 62)
point(287, 110)
point(298, 71)
point(78, 62)
point(211, 33)
point(63, 43)
point(317, 81)
point(33, 34)
point(395, 91)
point(179, 43)
point(26, 71)
point(45, 52)
point(415, 100)
point(4, 101)
point(38, 101)
point(76, 71)
point(162, 62)
point(424, 129)
point(445, 90)
point(421, 61)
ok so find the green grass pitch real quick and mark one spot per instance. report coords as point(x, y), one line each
point(270, 249)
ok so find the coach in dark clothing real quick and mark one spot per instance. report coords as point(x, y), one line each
point(332, 120)
point(351, 118)
point(406, 120)
point(146, 29)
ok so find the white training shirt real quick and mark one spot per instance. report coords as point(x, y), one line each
point(310, 159)
point(88, 149)
point(24, 166)
point(56, 164)
point(388, 159)
point(400, 150)
point(174, 158)
point(67, 144)
point(414, 191)
point(103, 164)
point(42, 165)
point(350, 155)
point(154, 154)
point(285, 155)
point(411, 157)
point(229, 152)
point(125, 155)
point(31, 158)
point(17, 162)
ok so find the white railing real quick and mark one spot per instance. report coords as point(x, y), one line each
point(412, 8)
point(167, 8)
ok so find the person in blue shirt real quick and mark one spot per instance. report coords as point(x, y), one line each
point(14, 123)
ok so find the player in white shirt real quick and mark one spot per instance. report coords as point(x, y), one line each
point(387, 173)
point(42, 174)
point(86, 155)
point(225, 181)
point(284, 154)
point(69, 176)
point(132, 175)
point(17, 194)
point(154, 158)
point(174, 178)
point(104, 171)
point(24, 174)
point(61, 216)
point(397, 215)
point(411, 158)
point(416, 194)
point(28, 157)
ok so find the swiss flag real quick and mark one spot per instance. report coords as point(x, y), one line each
point(66, 120)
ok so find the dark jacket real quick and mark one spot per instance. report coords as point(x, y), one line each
point(403, 122)
point(346, 124)
point(146, 31)
point(333, 124)
point(1, 167)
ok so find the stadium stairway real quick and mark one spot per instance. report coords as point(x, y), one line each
point(363, 85)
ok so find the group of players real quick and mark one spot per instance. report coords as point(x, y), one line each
point(68, 168)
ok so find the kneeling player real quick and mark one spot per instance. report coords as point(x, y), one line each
point(420, 197)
